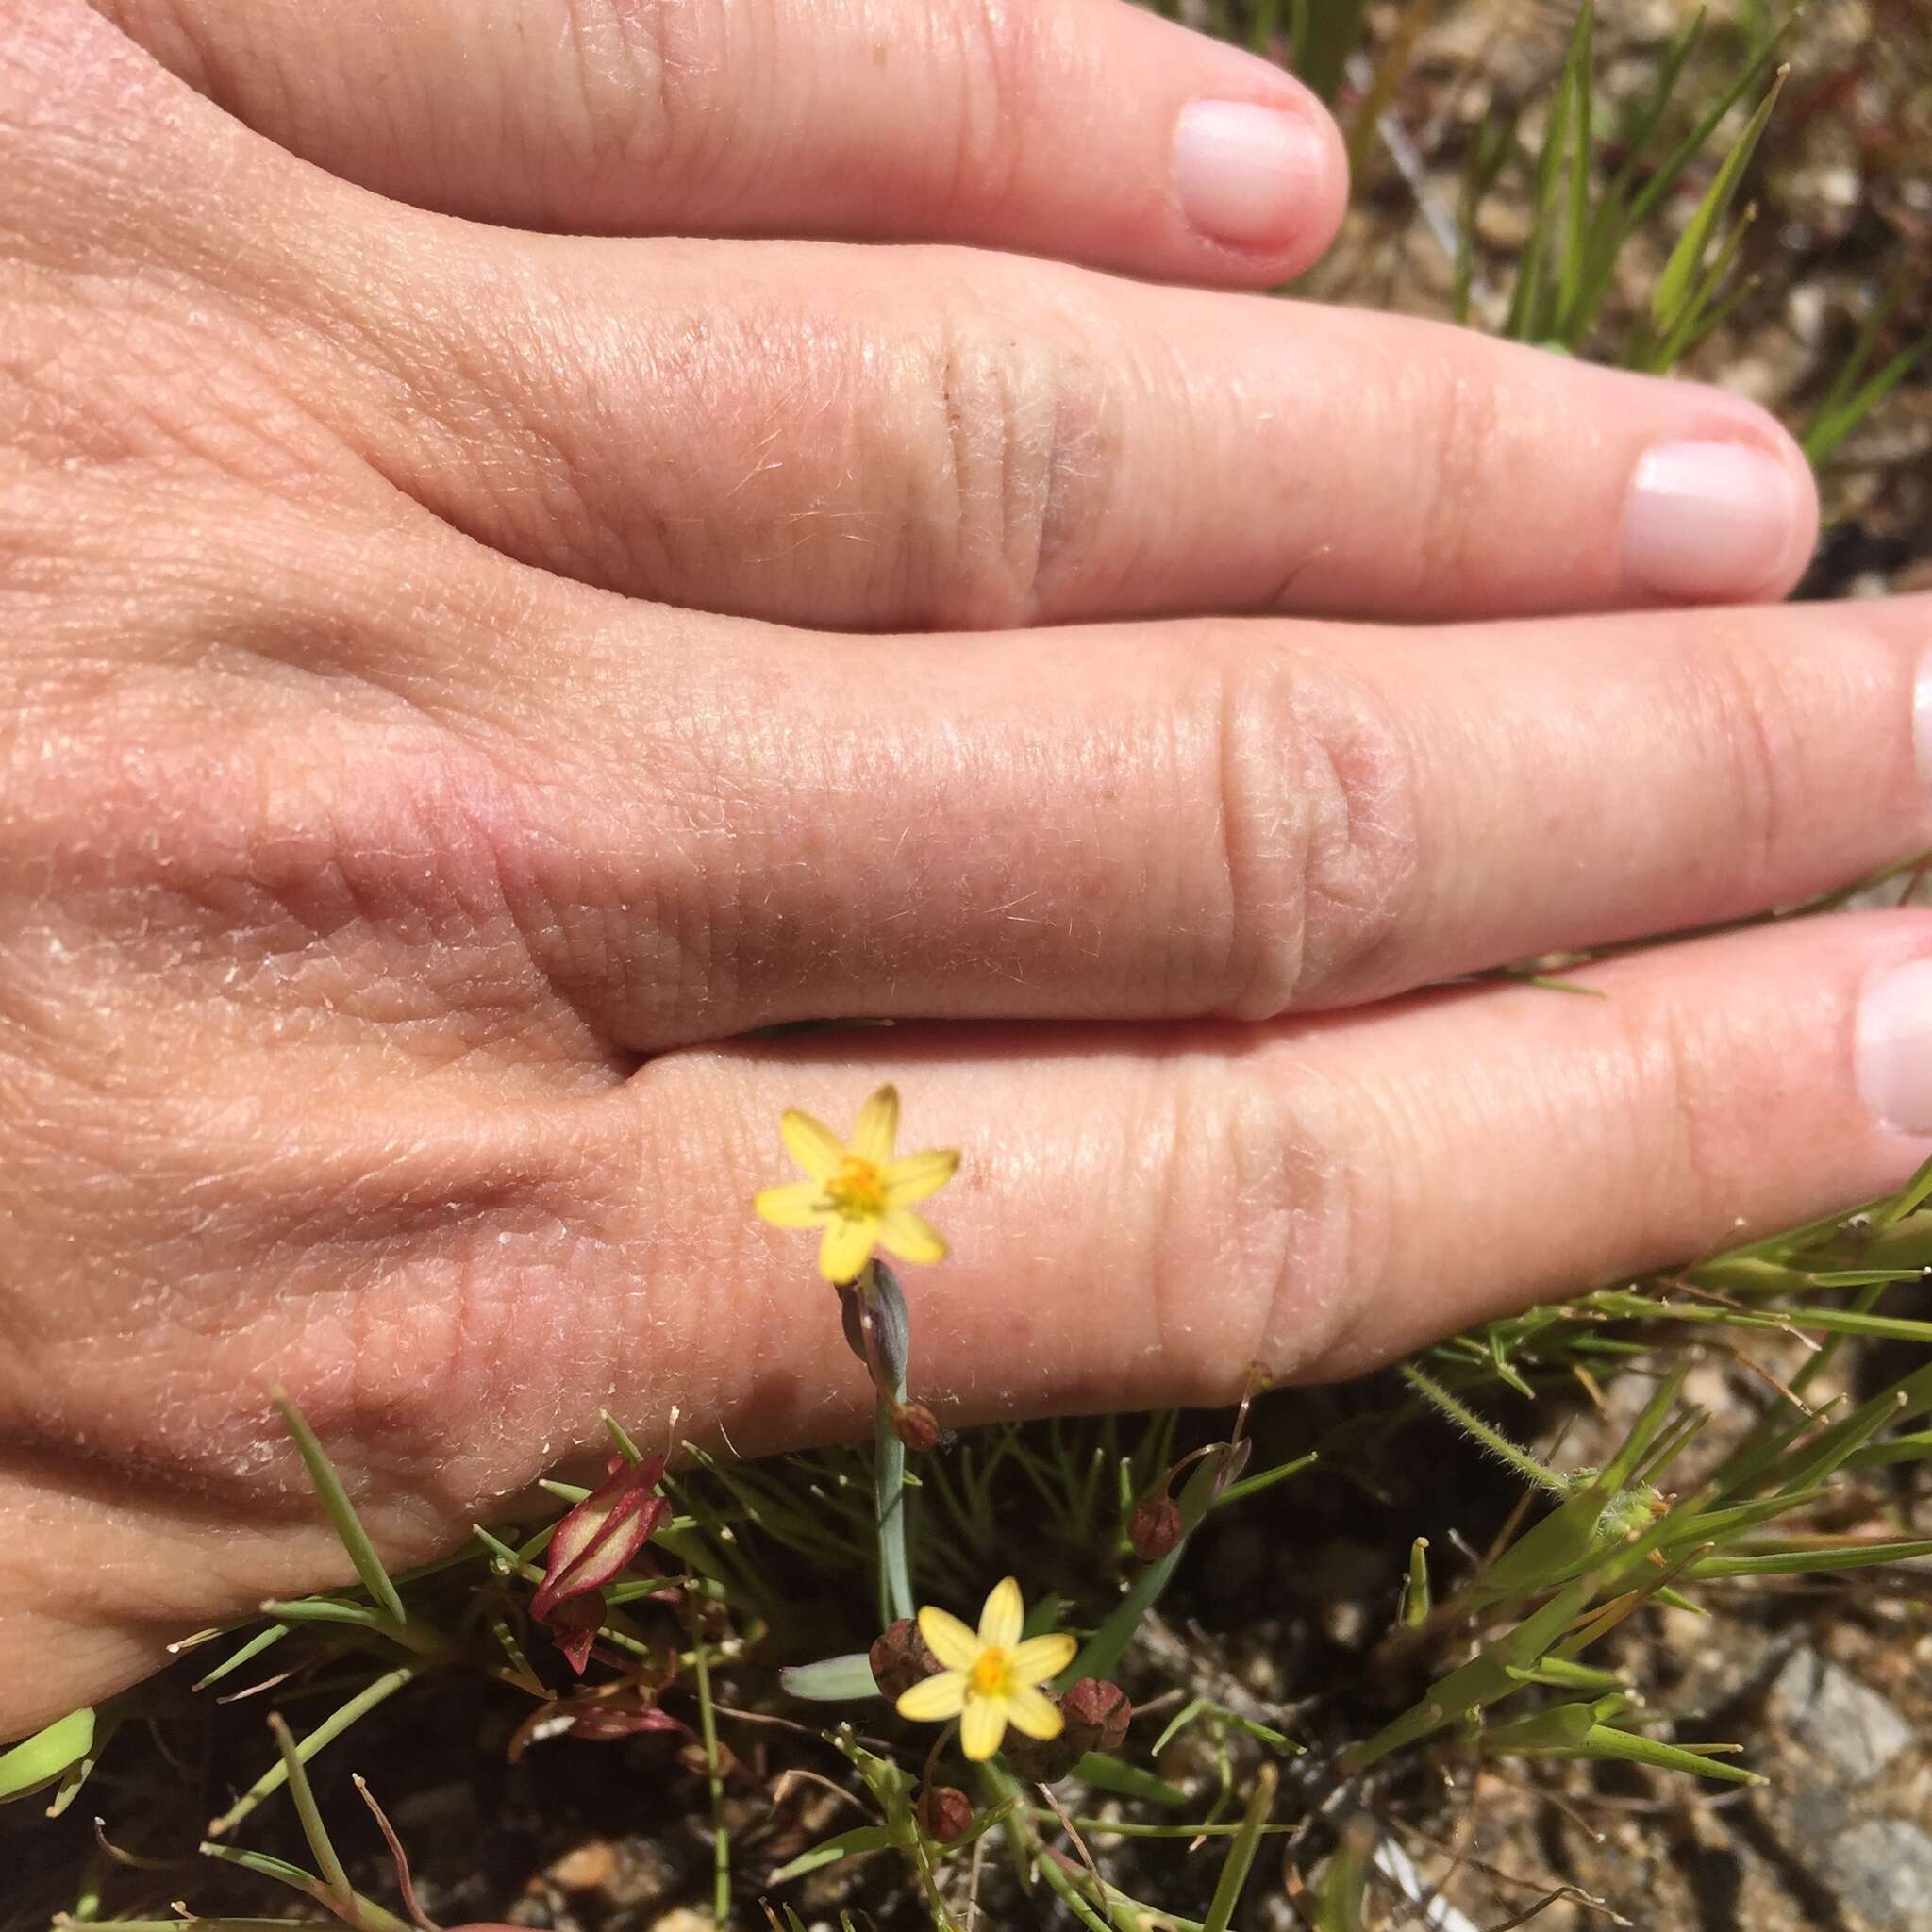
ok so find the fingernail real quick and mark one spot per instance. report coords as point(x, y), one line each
point(1243, 172)
point(1894, 1047)
point(1922, 723)
point(1706, 520)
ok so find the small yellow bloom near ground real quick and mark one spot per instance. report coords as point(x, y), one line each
point(991, 1677)
point(859, 1193)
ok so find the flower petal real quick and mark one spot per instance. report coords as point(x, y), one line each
point(911, 1237)
point(1034, 1713)
point(798, 1204)
point(949, 1640)
point(811, 1144)
point(918, 1175)
point(982, 1725)
point(1040, 1657)
point(877, 1131)
point(846, 1249)
point(1002, 1615)
point(934, 1698)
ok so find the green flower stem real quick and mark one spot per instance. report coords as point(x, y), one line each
point(889, 1461)
point(889, 1500)
point(707, 1729)
point(1489, 1436)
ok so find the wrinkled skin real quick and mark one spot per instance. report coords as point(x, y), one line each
point(466, 659)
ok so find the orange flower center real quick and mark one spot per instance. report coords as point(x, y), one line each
point(858, 1191)
point(990, 1674)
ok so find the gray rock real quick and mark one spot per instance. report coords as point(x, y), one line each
point(1884, 1867)
point(1839, 1721)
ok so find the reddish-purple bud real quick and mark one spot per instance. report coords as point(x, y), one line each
point(1097, 1712)
point(945, 1813)
point(1155, 1527)
point(574, 1627)
point(593, 1546)
point(900, 1659)
point(916, 1427)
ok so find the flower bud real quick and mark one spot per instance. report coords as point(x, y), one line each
point(1097, 1713)
point(1155, 1527)
point(900, 1659)
point(916, 1427)
point(945, 1813)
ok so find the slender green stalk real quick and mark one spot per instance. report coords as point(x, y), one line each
point(1489, 1436)
point(1240, 1853)
point(707, 1730)
point(882, 1331)
point(320, 1843)
point(325, 1733)
point(889, 1499)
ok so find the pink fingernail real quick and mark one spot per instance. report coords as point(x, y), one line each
point(1708, 521)
point(1922, 723)
point(1893, 1052)
point(1244, 172)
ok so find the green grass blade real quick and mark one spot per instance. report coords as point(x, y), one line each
point(1800, 1561)
point(322, 1736)
point(845, 1844)
point(1828, 431)
point(342, 1512)
point(252, 1648)
point(1578, 73)
point(40, 1759)
point(1240, 1853)
point(1675, 286)
point(1254, 1485)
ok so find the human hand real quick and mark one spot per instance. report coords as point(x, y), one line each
point(462, 662)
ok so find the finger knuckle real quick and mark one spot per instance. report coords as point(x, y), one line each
point(993, 52)
point(644, 88)
point(1268, 1227)
point(1320, 857)
point(1685, 1140)
point(1745, 713)
point(1027, 431)
point(1467, 417)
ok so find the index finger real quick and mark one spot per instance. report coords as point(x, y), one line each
point(1087, 129)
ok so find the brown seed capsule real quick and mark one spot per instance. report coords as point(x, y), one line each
point(900, 1659)
point(917, 1427)
point(1155, 1527)
point(945, 1812)
point(1097, 1712)
point(1041, 1760)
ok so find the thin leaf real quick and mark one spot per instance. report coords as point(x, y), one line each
point(322, 1736)
point(831, 1680)
point(846, 1844)
point(1798, 1560)
point(1671, 294)
point(41, 1759)
point(1240, 1853)
point(342, 1512)
point(1125, 1780)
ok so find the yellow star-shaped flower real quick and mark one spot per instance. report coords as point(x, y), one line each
point(991, 1677)
point(859, 1194)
